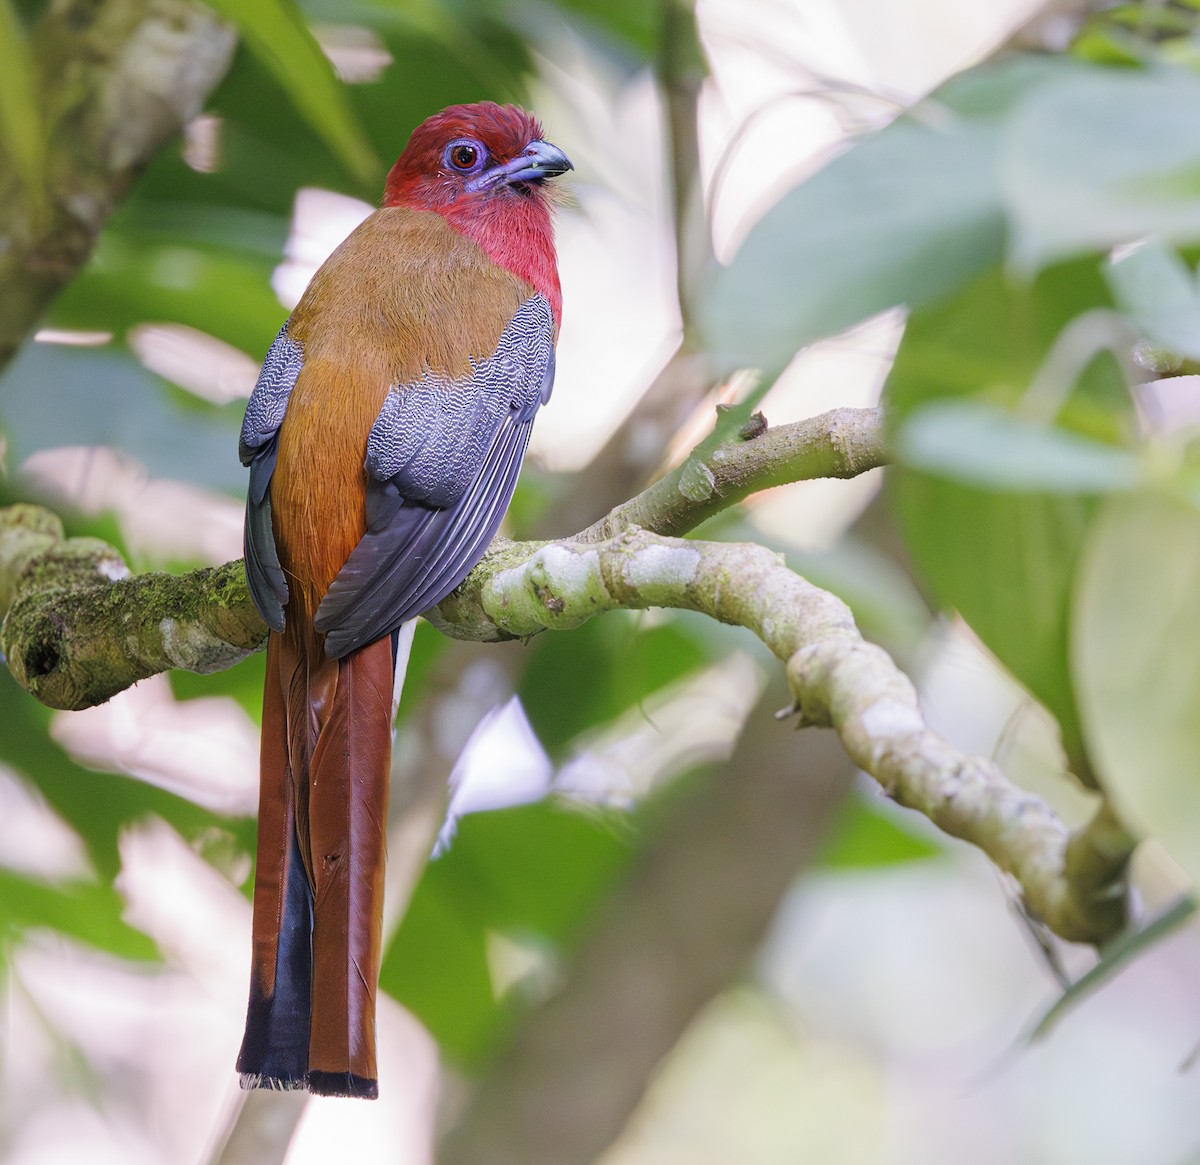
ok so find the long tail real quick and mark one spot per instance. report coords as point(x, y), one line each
point(318, 891)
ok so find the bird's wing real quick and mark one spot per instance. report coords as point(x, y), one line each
point(258, 447)
point(442, 463)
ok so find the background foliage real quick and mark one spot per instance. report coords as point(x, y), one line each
point(1046, 497)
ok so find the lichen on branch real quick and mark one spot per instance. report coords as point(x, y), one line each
point(836, 679)
point(78, 627)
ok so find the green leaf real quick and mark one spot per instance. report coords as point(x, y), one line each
point(1136, 664)
point(1100, 157)
point(22, 130)
point(978, 444)
point(991, 340)
point(1159, 292)
point(1006, 563)
point(868, 835)
point(105, 397)
point(624, 663)
point(438, 968)
point(1117, 955)
point(905, 217)
point(1104, 46)
point(88, 911)
point(276, 33)
point(634, 22)
point(136, 279)
point(1005, 560)
point(534, 871)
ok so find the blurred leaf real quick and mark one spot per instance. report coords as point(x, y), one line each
point(437, 968)
point(277, 34)
point(477, 46)
point(136, 278)
point(87, 911)
point(427, 645)
point(96, 805)
point(992, 339)
point(634, 22)
point(1006, 563)
point(624, 663)
point(1152, 19)
point(1100, 157)
point(267, 153)
point(536, 870)
point(906, 216)
point(869, 231)
point(1107, 46)
point(144, 226)
point(868, 835)
point(978, 444)
point(22, 129)
point(1159, 292)
point(1117, 955)
point(1136, 664)
point(1078, 158)
point(104, 397)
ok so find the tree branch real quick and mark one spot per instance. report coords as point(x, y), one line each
point(840, 443)
point(70, 627)
point(116, 81)
point(76, 630)
point(836, 679)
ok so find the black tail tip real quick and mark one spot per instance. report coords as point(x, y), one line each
point(343, 1084)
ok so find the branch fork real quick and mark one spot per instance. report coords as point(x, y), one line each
point(78, 629)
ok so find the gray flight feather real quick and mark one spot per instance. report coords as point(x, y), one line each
point(442, 463)
point(257, 448)
point(432, 437)
point(268, 402)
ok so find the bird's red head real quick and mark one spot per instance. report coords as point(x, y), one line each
point(483, 168)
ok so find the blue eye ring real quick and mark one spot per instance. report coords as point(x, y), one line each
point(465, 155)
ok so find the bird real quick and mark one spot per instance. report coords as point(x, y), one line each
point(383, 437)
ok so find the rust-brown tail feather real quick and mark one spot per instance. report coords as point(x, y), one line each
point(347, 826)
point(274, 1050)
point(326, 755)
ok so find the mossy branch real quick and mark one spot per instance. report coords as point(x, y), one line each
point(78, 628)
point(76, 632)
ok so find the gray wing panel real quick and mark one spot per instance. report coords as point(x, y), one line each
point(432, 437)
point(443, 459)
point(257, 448)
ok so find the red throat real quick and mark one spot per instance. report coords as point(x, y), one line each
point(512, 230)
point(515, 232)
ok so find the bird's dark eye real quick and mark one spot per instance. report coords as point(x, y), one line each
point(465, 156)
